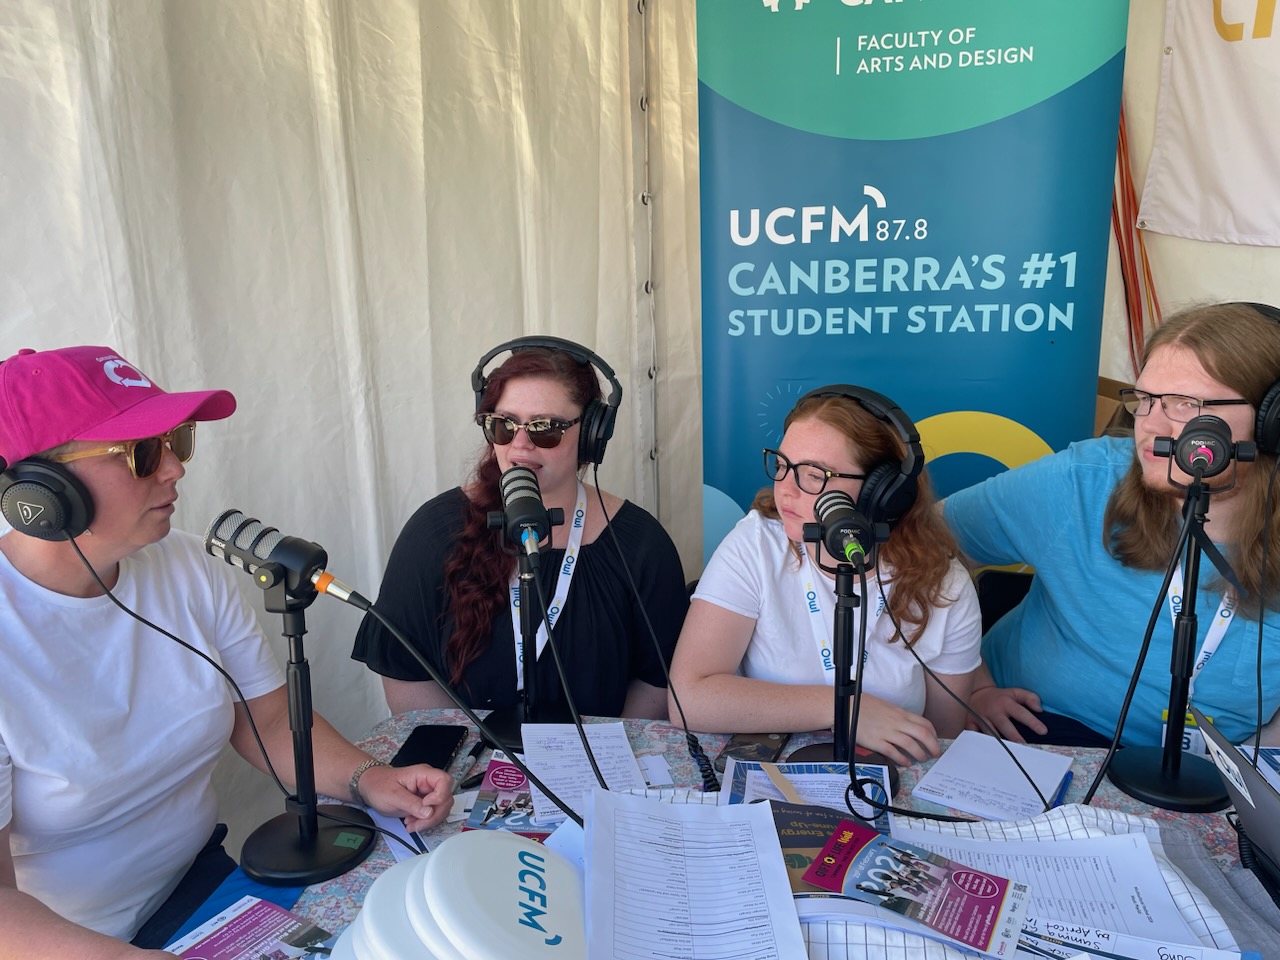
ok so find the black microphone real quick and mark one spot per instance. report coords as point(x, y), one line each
point(524, 516)
point(847, 534)
point(267, 554)
point(1204, 447)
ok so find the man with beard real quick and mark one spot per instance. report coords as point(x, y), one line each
point(1099, 522)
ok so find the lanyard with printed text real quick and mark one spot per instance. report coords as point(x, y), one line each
point(576, 525)
point(823, 627)
point(1213, 637)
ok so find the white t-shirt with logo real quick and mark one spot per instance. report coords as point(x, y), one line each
point(755, 573)
point(109, 731)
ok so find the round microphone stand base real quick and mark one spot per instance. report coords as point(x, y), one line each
point(825, 753)
point(278, 855)
point(505, 722)
point(1196, 788)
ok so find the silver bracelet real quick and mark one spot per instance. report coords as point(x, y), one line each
point(354, 786)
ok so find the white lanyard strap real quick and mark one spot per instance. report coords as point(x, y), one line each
point(570, 562)
point(812, 582)
point(1213, 637)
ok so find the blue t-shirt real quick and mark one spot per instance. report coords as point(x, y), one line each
point(1075, 639)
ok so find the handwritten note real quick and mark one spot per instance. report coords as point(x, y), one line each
point(553, 751)
point(977, 775)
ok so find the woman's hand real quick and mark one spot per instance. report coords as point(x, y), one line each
point(902, 736)
point(420, 795)
point(1002, 706)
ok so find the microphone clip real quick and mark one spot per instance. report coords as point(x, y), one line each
point(1202, 450)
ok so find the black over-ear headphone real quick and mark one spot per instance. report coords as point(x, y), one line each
point(44, 499)
point(890, 488)
point(1266, 432)
point(597, 419)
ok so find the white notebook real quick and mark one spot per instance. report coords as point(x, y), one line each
point(977, 776)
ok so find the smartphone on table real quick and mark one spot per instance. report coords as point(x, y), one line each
point(762, 747)
point(434, 743)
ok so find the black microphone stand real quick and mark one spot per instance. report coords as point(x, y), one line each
point(505, 722)
point(1163, 777)
point(843, 748)
point(847, 601)
point(293, 849)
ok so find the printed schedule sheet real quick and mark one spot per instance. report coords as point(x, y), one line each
point(697, 881)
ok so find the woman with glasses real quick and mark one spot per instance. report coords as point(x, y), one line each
point(1099, 522)
point(110, 731)
point(449, 581)
point(754, 655)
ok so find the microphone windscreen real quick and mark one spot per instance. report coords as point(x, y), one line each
point(829, 502)
point(518, 482)
point(244, 535)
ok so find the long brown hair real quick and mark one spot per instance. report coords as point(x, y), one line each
point(1240, 348)
point(478, 570)
point(921, 547)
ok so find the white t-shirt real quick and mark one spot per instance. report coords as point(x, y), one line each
point(754, 572)
point(109, 731)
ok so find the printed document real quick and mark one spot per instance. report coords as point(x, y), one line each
point(664, 880)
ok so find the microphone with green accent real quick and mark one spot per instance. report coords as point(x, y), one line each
point(846, 533)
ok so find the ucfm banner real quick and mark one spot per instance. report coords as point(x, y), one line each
point(912, 196)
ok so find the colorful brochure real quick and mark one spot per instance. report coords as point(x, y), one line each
point(251, 929)
point(976, 909)
point(505, 802)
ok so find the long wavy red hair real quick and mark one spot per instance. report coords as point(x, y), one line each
point(479, 569)
point(921, 547)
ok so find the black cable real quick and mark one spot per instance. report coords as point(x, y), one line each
point(1262, 610)
point(1183, 535)
point(568, 694)
point(982, 721)
point(706, 769)
point(856, 784)
point(367, 826)
point(253, 727)
point(362, 603)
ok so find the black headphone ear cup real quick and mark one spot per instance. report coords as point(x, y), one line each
point(45, 500)
point(1266, 432)
point(597, 427)
point(887, 494)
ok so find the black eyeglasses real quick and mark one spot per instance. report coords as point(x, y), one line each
point(810, 477)
point(1176, 407)
point(546, 432)
point(143, 456)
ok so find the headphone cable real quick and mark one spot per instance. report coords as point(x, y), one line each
point(706, 770)
point(235, 687)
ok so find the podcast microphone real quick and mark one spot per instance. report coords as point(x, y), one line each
point(268, 556)
point(524, 516)
point(847, 534)
point(1204, 447)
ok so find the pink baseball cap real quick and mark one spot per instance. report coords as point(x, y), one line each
point(50, 397)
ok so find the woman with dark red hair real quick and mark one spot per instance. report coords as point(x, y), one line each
point(449, 582)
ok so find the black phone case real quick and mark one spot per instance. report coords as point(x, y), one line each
point(434, 744)
point(761, 747)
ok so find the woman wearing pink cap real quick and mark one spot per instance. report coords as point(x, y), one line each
point(109, 732)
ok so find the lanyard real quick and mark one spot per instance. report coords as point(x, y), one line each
point(812, 581)
point(567, 566)
point(1212, 638)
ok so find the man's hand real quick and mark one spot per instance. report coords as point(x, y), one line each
point(1001, 706)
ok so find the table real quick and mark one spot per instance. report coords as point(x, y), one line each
point(334, 904)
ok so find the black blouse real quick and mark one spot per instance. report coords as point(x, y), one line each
point(601, 634)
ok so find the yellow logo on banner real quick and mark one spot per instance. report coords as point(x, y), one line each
point(1263, 18)
point(972, 431)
